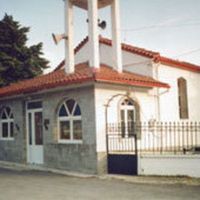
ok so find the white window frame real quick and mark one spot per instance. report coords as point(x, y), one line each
point(70, 118)
point(126, 108)
point(8, 121)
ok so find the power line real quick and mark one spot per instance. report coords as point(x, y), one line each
point(187, 53)
point(136, 63)
point(159, 26)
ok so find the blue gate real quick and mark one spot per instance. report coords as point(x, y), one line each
point(121, 150)
point(122, 164)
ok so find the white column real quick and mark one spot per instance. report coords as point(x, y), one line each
point(116, 36)
point(69, 43)
point(93, 33)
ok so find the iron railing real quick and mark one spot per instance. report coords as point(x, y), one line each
point(154, 137)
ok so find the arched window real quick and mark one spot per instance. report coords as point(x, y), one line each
point(182, 98)
point(70, 123)
point(7, 124)
point(127, 117)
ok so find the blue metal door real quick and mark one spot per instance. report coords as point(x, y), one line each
point(121, 150)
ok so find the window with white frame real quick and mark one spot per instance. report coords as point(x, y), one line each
point(69, 121)
point(127, 117)
point(7, 124)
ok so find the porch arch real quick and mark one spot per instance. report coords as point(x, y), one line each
point(120, 97)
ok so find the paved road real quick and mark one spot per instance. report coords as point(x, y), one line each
point(33, 185)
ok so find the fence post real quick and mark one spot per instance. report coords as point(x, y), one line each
point(174, 133)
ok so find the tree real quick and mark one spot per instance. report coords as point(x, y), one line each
point(17, 60)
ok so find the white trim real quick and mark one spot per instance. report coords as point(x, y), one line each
point(65, 141)
point(70, 118)
point(34, 110)
point(74, 108)
point(126, 108)
point(27, 134)
point(7, 139)
point(8, 120)
point(31, 111)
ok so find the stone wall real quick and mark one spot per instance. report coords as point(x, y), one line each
point(72, 157)
point(15, 150)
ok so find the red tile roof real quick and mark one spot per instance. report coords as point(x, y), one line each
point(131, 49)
point(179, 64)
point(83, 73)
point(143, 52)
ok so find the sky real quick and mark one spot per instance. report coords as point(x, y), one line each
point(171, 27)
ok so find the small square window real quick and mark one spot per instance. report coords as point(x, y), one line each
point(35, 105)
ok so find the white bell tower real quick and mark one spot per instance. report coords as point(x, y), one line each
point(92, 7)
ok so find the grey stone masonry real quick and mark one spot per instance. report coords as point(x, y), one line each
point(73, 157)
point(15, 150)
point(78, 157)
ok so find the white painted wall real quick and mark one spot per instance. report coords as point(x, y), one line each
point(166, 106)
point(82, 55)
point(169, 107)
point(169, 165)
point(131, 62)
point(102, 95)
point(151, 107)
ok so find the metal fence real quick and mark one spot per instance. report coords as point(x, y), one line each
point(154, 137)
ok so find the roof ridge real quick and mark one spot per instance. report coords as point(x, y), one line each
point(81, 44)
point(155, 55)
point(184, 64)
point(129, 47)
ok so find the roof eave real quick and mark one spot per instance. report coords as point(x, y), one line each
point(179, 64)
point(45, 90)
point(135, 84)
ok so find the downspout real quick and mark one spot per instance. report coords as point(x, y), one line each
point(157, 96)
point(106, 120)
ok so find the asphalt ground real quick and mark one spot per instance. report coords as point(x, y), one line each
point(40, 185)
